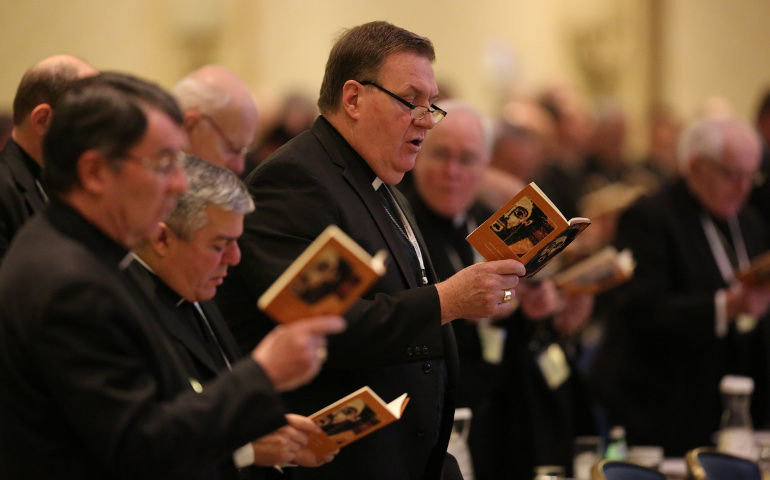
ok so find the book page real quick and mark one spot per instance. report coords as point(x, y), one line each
point(351, 418)
point(519, 229)
point(331, 274)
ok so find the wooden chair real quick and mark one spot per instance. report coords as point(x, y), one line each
point(705, 463)
point(619, 470)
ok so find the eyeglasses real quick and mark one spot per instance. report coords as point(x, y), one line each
point(240, 151)
point(164, 165)
point(417, 112)
point(731, 175)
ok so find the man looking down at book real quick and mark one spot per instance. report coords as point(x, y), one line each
point(93, 386)
point(377, 104)
point(181, 267)
point(498, 372)
point(683, 321)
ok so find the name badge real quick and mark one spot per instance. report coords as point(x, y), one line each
point(553, 365)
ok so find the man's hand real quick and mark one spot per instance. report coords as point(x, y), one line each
point(750, 299)
point(576, 312)
point(287, 445)
point(477, 291)
point(539, 300)
point(283, 445)
point(292, 354)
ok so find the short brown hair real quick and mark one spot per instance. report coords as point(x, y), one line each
point(359, 53)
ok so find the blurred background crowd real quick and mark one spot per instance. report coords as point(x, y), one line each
point(587, 99)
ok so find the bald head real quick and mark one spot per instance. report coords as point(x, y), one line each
point(36, 97)
point(220, 115)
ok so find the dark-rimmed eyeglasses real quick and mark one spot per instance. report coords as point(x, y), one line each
point(417, 112)
point(163, 165)
point(235, 150)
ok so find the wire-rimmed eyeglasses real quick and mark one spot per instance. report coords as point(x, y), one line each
point(235, 150)
point(417, 112)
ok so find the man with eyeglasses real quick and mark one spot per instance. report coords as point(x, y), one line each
point(220, 116)
point(683, 321)
point(92, 386)
point(377, 105)
point(21, 161)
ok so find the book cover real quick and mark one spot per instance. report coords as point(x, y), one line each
point(758, 272)
point(331, 274)
point(598, 273)
point(528, 228)
point(351, 418)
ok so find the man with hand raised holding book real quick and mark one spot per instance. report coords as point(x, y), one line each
point(181, 267)
point(377, 104)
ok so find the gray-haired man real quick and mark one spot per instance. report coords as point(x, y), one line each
point(182, 266)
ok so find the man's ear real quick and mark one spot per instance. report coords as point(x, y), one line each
point(161, 243)
point(351, 98)
point(93, 171)
point(191, 119)
point(40, 118)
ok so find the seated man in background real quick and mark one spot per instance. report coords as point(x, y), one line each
point(93, 386)
point(182, 266)
point(683, 321)
point(220, 116)
point(519, 421)
point(21, 161)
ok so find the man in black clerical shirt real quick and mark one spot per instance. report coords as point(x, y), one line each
point(21, 161)
point(93, 387)
point(182, 266)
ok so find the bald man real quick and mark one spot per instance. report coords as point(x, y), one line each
point(21, 160)
point(220, 115)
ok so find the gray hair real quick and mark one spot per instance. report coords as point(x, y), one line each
point(209, 184)
point(705, 139)
point(192, 92)
point(487, 126)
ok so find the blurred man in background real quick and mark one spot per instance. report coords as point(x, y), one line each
point(220, 116)
point(21, 161)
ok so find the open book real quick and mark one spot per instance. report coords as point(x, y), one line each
point(331, 274)
point(528, 228)
point(598, 273)
point(758, 272)
point(353, 417)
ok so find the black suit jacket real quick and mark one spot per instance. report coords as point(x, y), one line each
point(91, 384)
point(394, 341)
point(20, 197)
point(186, 335)
point(660, 363)
point(518, 421)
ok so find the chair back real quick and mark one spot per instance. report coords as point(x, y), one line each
point(705, 463)
point(619, 470)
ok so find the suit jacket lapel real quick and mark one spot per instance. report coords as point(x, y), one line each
point(221, 330)
point(173, 320)
point(343, 155)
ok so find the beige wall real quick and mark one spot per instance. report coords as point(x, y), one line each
point(486, 48)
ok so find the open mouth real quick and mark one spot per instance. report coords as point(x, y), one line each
point(416, 142)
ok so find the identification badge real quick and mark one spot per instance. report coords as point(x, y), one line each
point(492, 340)
point(553, 365)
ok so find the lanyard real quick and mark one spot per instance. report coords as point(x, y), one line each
point(409, 233)
point(718, 247)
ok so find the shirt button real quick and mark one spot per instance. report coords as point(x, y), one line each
point(425, 350)
point(409, 351)
point(427, 368)
point(417, 351)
